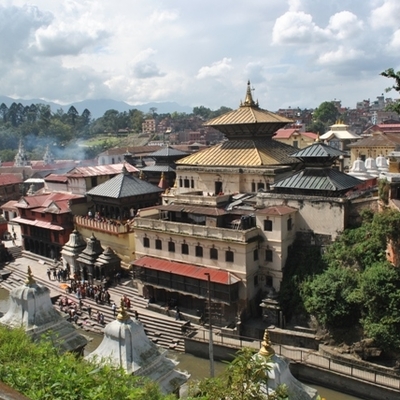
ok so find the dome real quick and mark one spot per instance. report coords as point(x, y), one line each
point(371, 167)
point(382, 164)
point(31, 308)
point(359, 171)
point(279, 373)
point(125, 344)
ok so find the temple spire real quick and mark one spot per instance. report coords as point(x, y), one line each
point(266, 346)
point(248, 101)
point(29, 279)
point(122, 314)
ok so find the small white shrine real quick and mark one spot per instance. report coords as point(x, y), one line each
point(126, 345)
point(31, 308)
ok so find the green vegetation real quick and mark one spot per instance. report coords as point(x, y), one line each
point(357, 284)
point(39, 372)
point(390, 73)
point(243, 379)
point(323, 117)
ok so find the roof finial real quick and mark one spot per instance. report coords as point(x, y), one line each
point(248, 101)
point(266, 346)
point(122, 314)
point(29, 279)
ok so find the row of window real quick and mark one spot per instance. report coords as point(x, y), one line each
point(198, 250)
point(268, 225)
point(229, 255)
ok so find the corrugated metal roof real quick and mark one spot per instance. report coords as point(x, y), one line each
point(124, 185)
point(189, 270)
point(324, 179)
point(242, 153)
point(10, 179)
point(168, 152)
point(211, 211)
point(98, 170)
point(158, 168)
point(41, 224)
point(379, 140)
point(318, 150)
point(277, 210)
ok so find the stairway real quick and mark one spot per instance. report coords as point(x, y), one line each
point(15, 251)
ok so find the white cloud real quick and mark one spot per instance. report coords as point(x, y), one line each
point(297, 27)
point(386, 15)
point(345, 25)
point(217, 69)
point(339, 56)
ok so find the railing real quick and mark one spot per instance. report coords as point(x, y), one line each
point(106, 226)
point(366, 374)
point(196, 230)
point(307, 357)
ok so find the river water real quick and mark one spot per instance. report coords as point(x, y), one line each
point(197, 367)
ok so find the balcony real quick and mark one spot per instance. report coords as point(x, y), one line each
point(200, 199)
point(209, 232)
point(109, 226)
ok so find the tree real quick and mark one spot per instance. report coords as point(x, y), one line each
point(326, 113)
point(243, 379)
point(39, 372)
point(73, 114)
point(389, 73)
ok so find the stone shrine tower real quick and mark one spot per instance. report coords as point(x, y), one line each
point(126, 345)
point(32, 309)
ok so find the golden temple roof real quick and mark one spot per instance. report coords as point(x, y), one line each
point(248, 120)
point(243, 153)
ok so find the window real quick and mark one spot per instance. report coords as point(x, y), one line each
point(180, 182)
point(269, 281)
point(255, 255)
point(218, 188)
point(186, 183)
point(192, 183)
point(171, 247)
point(93, 180)
point(229, 257)
point(53, 217)
point(199, 251)
point(146, 242)
point(253, 187)
point(267, 225)
point(296, 144)
point(185, 248)
point(213, 254)
point(268, 255)
point(158, 244)
point(260, 185)
point(289, 224)
point(255, 280)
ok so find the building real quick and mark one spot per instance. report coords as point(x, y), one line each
point(10, 187)
point(295, 137)
point(46, 221)
point(207, 234)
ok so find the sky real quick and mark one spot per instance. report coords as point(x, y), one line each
point(296, 53)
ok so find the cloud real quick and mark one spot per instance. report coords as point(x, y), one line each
point(146, 69)
point(297, 27)
point(217, 69)
point(17, 26)
point(345, 25)
point(386, 15)
point(66, 40)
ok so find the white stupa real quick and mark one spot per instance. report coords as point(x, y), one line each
point(382, 164)
point(280, 374)
point(31, 308)
point(359, 171)
point(371, 167)
point(126, 345)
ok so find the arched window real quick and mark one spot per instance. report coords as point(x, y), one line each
point(213, 254)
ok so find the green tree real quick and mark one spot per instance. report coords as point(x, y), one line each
point(326, 113)
point(390, 73)
point(73, 114)
point(244, 379)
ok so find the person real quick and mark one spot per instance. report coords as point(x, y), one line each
point(14, 235)
point(89, 310)
point(178, 314)
point(136, 315)
point(114, 308)
point(49, 273)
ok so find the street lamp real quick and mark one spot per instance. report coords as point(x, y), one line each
point(210, 342)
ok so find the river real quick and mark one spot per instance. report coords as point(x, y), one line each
point(198, 367)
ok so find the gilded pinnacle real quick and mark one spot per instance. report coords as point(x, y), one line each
point(29, 279)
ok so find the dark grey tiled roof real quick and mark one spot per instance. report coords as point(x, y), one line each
point(318, 150)
point(124, 185)
point(324, 179)
point(168, 151)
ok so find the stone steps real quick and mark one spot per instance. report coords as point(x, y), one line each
point(15, 251)
point(162, 330)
